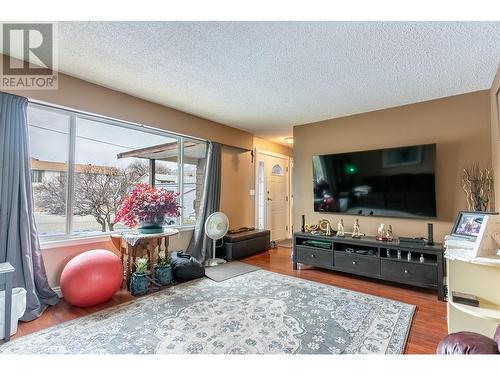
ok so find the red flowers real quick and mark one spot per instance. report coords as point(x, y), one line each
point(146, 204)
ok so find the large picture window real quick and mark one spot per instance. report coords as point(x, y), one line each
point(83, 165)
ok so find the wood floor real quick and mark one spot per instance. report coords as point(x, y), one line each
point(428, 327)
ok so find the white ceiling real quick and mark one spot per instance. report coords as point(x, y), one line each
point(265, 77)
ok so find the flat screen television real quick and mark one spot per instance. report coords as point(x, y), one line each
point(392, 182)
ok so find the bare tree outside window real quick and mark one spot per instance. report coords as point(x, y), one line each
point(97, 190)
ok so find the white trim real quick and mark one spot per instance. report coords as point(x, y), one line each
point(288, 173)
point(105, 237)
point(180, 177)
point(70, 175)
point(74, 242)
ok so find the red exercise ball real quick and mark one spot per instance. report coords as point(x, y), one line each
point(91, 278)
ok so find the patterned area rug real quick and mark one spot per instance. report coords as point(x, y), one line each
point(259, 312)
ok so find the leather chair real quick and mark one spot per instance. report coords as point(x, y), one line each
point(469, 343)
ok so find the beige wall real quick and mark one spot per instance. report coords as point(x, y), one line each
point(459, 125)
point(85, 96)
point(55, 258)
point(264, 144)
point(237, 180)
point(495, 136)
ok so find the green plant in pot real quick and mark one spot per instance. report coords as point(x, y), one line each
point(163, 271)
point(147, 207)
point(139, 280)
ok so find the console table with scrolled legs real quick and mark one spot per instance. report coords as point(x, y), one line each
point(148, 245)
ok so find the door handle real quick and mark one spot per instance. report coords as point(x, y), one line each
point(354, 262)
point(269, 199)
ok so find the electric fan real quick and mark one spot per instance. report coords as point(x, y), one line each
point(216, 227)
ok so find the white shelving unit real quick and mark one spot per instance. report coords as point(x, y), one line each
point(479, 276)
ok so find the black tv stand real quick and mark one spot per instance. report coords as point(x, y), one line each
point(366, 256)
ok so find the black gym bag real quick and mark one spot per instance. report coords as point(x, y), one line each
point(185, 267)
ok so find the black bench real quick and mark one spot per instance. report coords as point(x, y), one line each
point(243, 244)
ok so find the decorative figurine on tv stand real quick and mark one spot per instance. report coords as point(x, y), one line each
point(325, 227)
point(384, 234)
point(340, 228)
point(328, 229)
point(356, 233)
point(390, 233)
point(381, 234)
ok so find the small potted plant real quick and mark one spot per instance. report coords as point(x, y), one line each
point(163, 271)
point(147, 207)
point(139, 280)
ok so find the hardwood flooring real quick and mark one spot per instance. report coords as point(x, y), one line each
point(428, 327)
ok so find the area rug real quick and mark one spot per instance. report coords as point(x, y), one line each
point(258, 312)
point(228, 270)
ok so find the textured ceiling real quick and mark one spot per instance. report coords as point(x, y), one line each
point(265, 77)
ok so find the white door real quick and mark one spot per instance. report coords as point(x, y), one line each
point(275, 195)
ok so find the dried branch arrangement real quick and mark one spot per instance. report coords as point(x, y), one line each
point(477, 184)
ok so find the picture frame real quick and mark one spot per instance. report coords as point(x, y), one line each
point(468, 224)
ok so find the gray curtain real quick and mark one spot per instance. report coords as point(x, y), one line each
point(201, 246)
point(19, 243)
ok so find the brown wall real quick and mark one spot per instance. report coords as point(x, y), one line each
point(459, 125)
point(237, 176)
point(263, 144)
point(56, 258)
point(495, 136)
point(85, 96)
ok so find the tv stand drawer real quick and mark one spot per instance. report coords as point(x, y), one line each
point(362, 264)
point(408, 272)
point(315, 257)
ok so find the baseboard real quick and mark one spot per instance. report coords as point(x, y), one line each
point(58, 291)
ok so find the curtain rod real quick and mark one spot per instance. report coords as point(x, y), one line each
point(241, 148)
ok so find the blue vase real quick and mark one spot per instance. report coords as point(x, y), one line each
point(163, 275)
point(153, 225)
point(139, 284)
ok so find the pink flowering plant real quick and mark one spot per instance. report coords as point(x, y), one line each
point(146, 204)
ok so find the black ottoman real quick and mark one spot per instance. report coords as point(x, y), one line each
point(242, 244)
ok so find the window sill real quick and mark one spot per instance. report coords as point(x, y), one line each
point(76, 241)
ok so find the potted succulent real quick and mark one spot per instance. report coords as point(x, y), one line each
point(163, 271)
point(147, 207)
point(139, 280)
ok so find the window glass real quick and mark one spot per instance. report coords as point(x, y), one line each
point(167, 173)
point(49, 148)
point(108, 158)
point(277, 170)
point(109, 161)
point(194, 170)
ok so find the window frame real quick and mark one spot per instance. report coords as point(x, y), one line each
point(74, 115)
